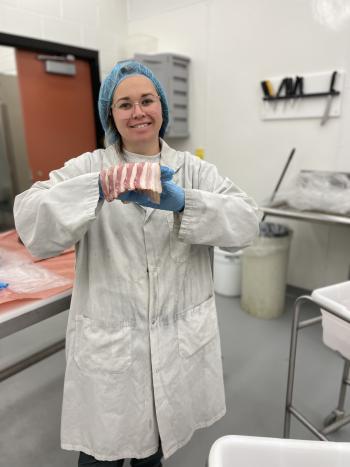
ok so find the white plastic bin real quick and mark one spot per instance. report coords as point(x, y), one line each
point(336, 331)
point(227, 272)
point(264, 273)
point(250, 451)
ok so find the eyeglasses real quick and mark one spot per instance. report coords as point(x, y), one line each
point(126, 107)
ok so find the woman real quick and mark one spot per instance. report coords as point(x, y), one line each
point(143, 349)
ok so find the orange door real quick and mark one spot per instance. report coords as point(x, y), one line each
point(58, 113)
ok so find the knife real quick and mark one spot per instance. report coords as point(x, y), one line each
point(329, 99)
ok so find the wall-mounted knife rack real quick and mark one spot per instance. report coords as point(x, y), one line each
point(302, 96)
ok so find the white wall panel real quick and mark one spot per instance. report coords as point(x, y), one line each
point(45, 7)
point(23, 23)
point(89, 36)
point(84, 9)
point(234, 45)
point(13, 3)
point(183, 31)
point(97, 24)
point(139, 9)
point(63, 31)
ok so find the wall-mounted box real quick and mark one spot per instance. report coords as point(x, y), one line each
point(173, 73)
point(303, 106)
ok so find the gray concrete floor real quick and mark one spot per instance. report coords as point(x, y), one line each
point(255, 358)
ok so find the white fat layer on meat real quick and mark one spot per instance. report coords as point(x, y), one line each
point(127, 176)
point(115, 173)
point(149, 178)
point(110, 190)
point(144, 176)
point(132, 178)
point(158, 186)
point(152, 180)
point(123, 178)
point(106, 182)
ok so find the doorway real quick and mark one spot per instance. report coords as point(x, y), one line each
point(48, 112)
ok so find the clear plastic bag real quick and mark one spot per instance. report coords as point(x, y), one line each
point(24, 277)
point(317, 191)
point(9, 258)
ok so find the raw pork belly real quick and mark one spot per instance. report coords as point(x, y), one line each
point(139, 176)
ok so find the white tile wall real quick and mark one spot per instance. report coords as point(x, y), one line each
point(109, 58)
point(109, 13)
point(233, 45)
point(80, 9)
point(45, 7)
point(17, 21)
point(184, 32)
point(111, 46)
point(139, 9)
point(109, 40)
point(62, 30)
point(89, 37)
point(95, 24)
point(13, 3)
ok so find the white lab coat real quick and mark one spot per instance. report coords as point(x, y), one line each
point(142, 345)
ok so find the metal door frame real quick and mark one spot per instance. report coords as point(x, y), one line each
point(91, 56)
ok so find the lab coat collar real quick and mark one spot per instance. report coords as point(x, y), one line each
point(168, 156)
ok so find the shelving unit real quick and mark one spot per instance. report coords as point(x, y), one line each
point(173, 73)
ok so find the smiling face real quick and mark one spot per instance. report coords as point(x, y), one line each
point(137, 114)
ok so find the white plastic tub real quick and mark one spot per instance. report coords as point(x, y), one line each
point(336, 331)
point(264, 276)
point(250, 451)
point(227, 272)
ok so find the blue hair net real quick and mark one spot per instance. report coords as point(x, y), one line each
point(119, 73)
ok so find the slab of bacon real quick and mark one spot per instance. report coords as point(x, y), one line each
point(138, 176)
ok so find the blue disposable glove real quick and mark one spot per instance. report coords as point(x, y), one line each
point(172, 197)
point(100, 189)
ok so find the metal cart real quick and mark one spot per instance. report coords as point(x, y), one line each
point(334, 309)
point(250, 451)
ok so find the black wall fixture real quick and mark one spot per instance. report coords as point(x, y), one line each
point(291, 88)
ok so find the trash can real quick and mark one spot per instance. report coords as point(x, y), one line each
point(227, 272)
point(264, 272)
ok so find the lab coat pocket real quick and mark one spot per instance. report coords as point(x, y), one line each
point(102, 348)
point(179, 250)
point(197, 327)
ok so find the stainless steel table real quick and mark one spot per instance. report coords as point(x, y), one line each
point(309, 216)
point(15, 316)
point(290, 409)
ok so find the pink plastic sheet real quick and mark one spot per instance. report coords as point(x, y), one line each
point(30, 277)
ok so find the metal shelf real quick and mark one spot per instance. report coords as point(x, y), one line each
point(308, 216)
point(17, 316)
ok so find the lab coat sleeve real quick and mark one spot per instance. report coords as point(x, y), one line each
point(216, 211)
point(53, 215)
